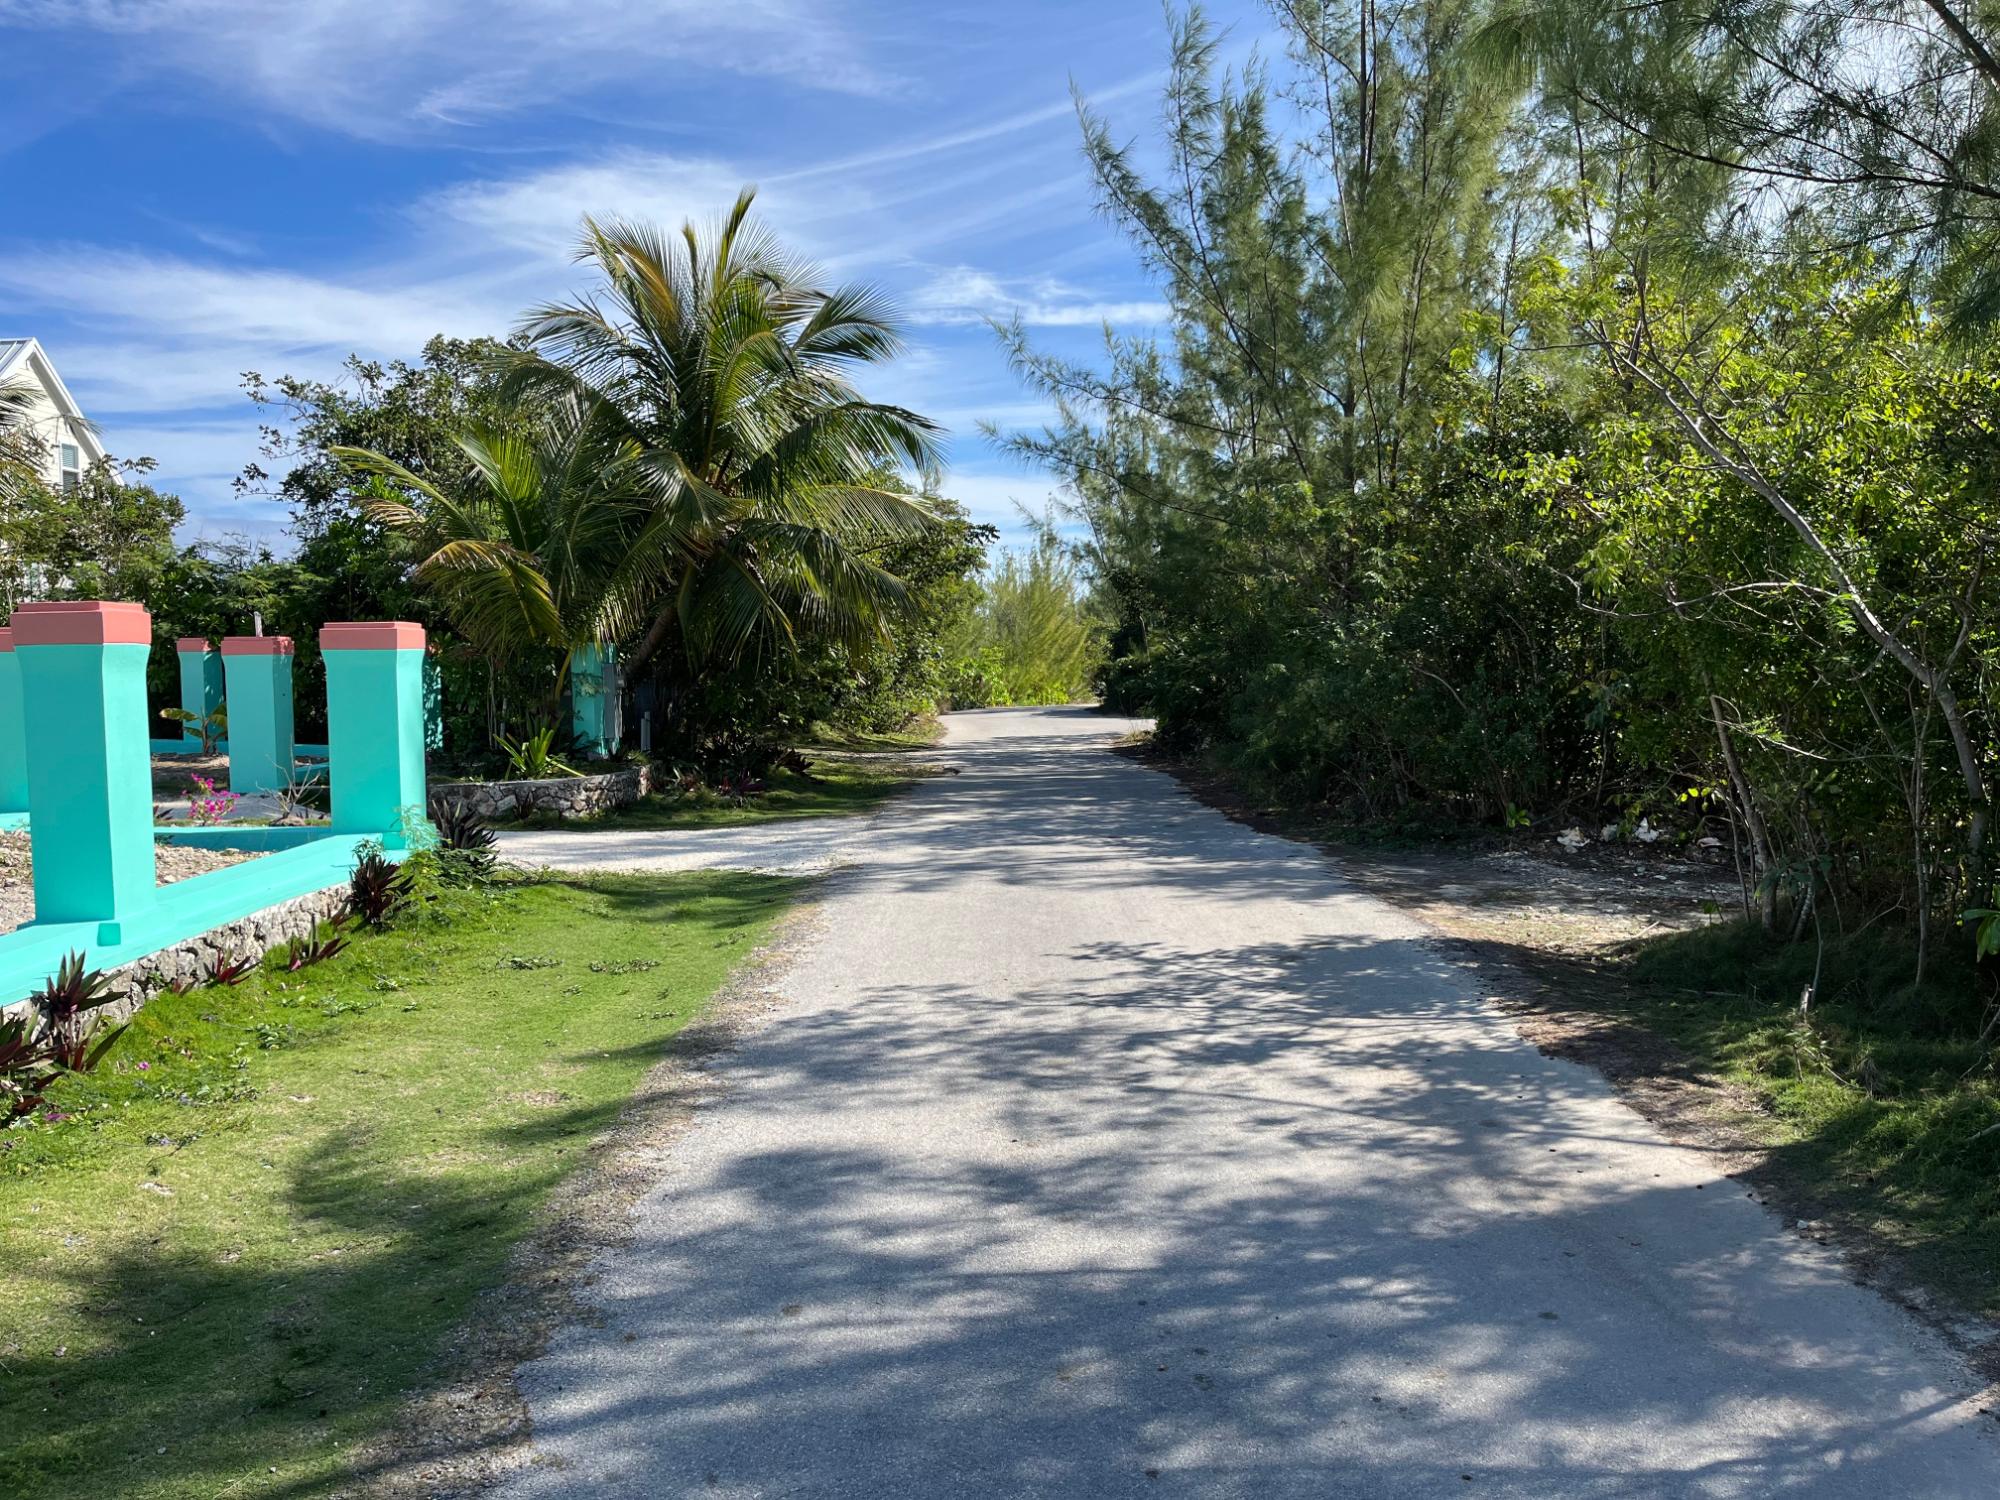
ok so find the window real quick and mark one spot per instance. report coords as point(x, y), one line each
point(72, 467)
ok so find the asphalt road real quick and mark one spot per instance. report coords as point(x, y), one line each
point(1107, 1148)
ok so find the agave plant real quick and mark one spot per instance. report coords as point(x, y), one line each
point(531, 757)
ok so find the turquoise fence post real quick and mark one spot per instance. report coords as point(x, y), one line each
point(13, 732)
point(201, 682)
point(593, 696)
point(375, 726)
point(90, 774)
point(258, 671)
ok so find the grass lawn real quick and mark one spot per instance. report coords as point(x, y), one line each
point(1884, 1109)
point(836, 788)
point(273, 1203)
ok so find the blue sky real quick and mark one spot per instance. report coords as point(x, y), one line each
point(195, 188)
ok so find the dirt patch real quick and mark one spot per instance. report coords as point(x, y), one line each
point(470, 1428)
point(17, 872)
point(1547, 933)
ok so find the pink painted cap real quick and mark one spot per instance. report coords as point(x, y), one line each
point(371, 635)
point(6, 639)
point(82, 622)
point(193, 645)
point(256, 645)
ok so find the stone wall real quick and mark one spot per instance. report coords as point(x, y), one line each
point(248, 937)
point(561, 797)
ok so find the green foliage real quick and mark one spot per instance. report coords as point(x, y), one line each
point(55, 1034)
point(531, 758)
point(109, 537)
point(210, 727)
point(376, 890)
point(1032, 636)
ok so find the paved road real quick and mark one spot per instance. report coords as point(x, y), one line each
point(1107, 1148)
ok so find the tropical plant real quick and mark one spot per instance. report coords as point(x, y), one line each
point(549, 546)
point(532, 758)
point(54, 1034)
point(694, 461)
point(209, 727)
point(465, 844)
point(228, 970)
point(314, 947)
point(375, 889)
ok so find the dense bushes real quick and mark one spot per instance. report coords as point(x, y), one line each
point(1515, 457)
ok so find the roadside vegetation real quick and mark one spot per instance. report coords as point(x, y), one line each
point(232, 1251)
point(682, 465)
point(1576, 419)
point(819, 786)
point(1032, 637)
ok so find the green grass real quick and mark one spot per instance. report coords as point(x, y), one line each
point(274, 1203)
point(1876, 1107)
point(836, 788)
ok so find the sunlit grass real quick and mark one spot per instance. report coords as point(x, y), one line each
point(275, 1201)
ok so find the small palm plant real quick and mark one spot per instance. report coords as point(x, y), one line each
point(530, 758)
point(209, 727)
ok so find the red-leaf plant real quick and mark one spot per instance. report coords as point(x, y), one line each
point(54, 1035)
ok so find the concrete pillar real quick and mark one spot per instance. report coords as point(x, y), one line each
point(258, 672)
point(375, 726)
point(593, 696)
point(90, 770)
point(13, 731)
point(201, 683)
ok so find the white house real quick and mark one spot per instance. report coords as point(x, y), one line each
point(68, 445)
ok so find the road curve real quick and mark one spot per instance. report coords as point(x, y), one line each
point(1107, 1148)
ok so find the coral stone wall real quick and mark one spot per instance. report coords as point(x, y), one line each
point(562, 797)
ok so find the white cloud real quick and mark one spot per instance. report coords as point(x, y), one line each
point(387, 68)
point(541, 211)
point(277, 310)
point(965, 295)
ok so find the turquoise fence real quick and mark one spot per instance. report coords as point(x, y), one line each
point(73, 709)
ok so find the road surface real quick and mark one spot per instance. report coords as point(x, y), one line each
point(1104, 1147)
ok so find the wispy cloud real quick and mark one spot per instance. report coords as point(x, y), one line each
point(964, 295)
point(959, 189)
point(383, 69)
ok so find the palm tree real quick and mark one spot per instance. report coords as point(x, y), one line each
point(17, 468)
point(729, 366)
point(552, 545)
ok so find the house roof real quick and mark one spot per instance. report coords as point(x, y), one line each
point(27, 357)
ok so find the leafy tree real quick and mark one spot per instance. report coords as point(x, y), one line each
point(411, 413)
point(107, 537)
